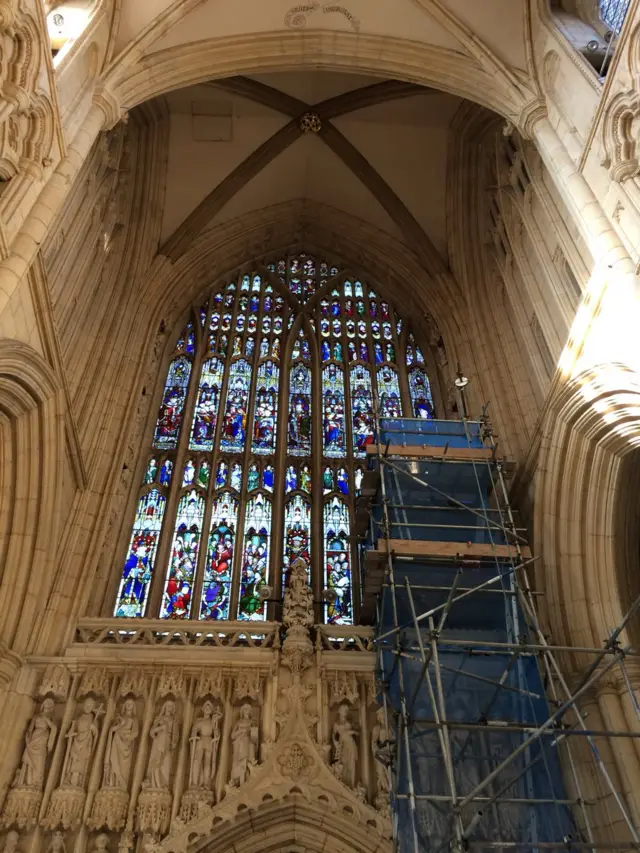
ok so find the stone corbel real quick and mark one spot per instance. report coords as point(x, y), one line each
point(108, 103)
point(620, 130)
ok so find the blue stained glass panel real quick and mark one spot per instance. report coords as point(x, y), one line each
point(361, 408)
point(218, 569)
point(176, 601)
point(337, 562)
point(333, 411)
point(264, 419)
point(291, 479)
point(138, 567)
point(255, 558)
point(165, 472)
point(172, 407)
point(206, 414)
point(299, 421)
point(234, 426)
point(389, 393)
point(297, 535)
point(420, 390)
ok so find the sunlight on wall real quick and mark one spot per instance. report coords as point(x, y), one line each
point(64, 24)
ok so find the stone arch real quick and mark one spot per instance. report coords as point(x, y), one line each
point(590, 438)
point(411, 61)
point(31, 448)
point(584, 496)
point(169, 289)
point(293, 824)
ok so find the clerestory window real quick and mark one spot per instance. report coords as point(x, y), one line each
point(260, 444)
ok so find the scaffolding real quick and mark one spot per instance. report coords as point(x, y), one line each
point(488, 746)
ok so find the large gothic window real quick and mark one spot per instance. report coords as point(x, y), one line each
point(260, 443)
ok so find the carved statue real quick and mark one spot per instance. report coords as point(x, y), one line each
point(164, 736)
point(345, 751)
point(57, 844)
point(100, 845)
point(298, 598)
point(82, 737)
point(381, 745)
point(39, 741)
point(120, 744)
point(11, 842)
point(204, 740)
point(244, 737)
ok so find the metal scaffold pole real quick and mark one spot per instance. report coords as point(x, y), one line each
point(486, 723)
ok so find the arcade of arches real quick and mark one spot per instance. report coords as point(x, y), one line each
point(229, 232)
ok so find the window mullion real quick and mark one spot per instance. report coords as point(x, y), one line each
point(280, 463)
point(317, 533)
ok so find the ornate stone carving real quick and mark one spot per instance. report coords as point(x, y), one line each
point(67, 801)
point(154, 803)
point(133, 682)
point(164, 739)
point(39, 741)
point(81, 737)
point(94, 681)
point(297, 649)
point(112, 800)
point(310, 123)
point(23, 801)
point(56, 681)
point(11, 842)
point(101, 844)
point(244, 740)
point(57, 845)
point(620, 133)
point(171, 682)
point(210, 683)
point(204, 740)
point(382, 747)
point(295, 761)
point(296, 16)
point(247, 685)
point(343, 687)
point(154, 811)
point(345, 750)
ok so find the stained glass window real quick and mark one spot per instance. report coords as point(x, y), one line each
point(347, 351)
point(297, 534)
point(172, 406)
point(264, 422)
point(255, 558)
point(361, 408)
point(176, 601)
point(299, 425)
point(338, 607)
point(234, 425)
point(420, 393)
point(206, 414)
point(333, 424)
point(138, 567)
point(389, 393)
point(218, 568)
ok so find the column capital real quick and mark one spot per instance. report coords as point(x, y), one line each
point(532, 113)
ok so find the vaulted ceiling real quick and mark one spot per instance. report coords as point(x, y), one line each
point(379, 153)
point(378, 148)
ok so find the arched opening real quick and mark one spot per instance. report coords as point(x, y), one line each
point(260, 443)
